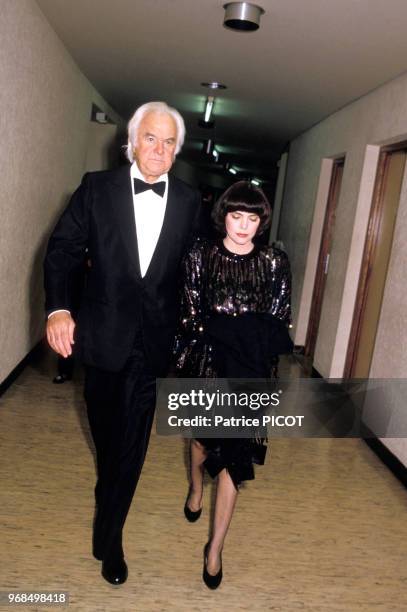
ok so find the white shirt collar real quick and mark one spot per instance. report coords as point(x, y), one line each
point(135, 173)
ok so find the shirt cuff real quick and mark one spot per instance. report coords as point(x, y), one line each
point(60, 310)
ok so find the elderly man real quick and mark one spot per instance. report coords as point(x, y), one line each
point(133, 224)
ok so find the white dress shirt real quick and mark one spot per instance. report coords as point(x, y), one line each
point(149, 210)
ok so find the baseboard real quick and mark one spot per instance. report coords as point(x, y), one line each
point(34, 354)
point(315, 373)
point(391, 461)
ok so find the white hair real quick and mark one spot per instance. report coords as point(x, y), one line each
point(153, 107)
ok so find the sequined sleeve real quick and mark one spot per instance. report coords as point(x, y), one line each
point(191, 291)
point(281, 303)
point(188, 342)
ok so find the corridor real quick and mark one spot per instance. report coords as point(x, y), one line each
point(321, 529)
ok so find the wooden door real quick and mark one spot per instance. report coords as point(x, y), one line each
point(324, 255)
point(375, 263)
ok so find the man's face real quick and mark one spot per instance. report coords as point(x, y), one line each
point(156, 142)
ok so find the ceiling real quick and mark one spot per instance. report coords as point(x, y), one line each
point(308, 59)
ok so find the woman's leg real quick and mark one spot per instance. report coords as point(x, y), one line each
point(198, 456)
point(226, 495)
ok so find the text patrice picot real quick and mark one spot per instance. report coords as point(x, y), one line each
point(209, 401)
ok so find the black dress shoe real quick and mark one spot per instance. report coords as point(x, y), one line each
point(61, 378)
point(191, 515)
point(114, 570)
point(211, 581)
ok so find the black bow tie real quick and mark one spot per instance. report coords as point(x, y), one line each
point(140, 186)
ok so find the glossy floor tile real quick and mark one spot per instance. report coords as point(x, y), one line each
point(322, 528)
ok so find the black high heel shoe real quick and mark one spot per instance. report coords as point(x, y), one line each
point(191, 515)
point(211, 581)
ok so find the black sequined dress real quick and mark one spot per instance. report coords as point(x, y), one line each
point(235, 311)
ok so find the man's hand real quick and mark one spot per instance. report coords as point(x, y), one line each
point(60, 328)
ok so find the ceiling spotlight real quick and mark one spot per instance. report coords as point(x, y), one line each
point(214, 85)
point(232, 170)
point(215, 154)
point(255, 182)
point(242, 16)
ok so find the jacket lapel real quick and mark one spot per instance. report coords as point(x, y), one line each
point(169, 231)
point(122, 197)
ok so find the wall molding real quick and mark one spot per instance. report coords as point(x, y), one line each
point(37, 351)
point(386, 456)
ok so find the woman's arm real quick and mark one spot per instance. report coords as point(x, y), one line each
point(191, 319)
point(190, 328)
point(281, 302)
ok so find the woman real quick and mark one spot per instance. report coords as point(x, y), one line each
point(235, 312)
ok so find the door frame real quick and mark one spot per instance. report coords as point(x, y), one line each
point(371, 241)
point(323, 263)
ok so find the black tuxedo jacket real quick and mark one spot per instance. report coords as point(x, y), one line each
point(118, 303)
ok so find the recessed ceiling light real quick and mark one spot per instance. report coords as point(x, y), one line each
point(214, 85)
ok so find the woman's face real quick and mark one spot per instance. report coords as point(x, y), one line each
point(241, 226)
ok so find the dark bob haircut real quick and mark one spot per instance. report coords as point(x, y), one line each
point(242, 196)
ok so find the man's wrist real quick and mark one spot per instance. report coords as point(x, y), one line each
point(60, 310)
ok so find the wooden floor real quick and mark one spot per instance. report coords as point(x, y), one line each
point(322, 528)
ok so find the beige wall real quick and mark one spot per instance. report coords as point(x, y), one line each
point(45, 106)
point(356, 131)
point(101, 141)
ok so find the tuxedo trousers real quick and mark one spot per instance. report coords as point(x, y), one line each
point(120, 409)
